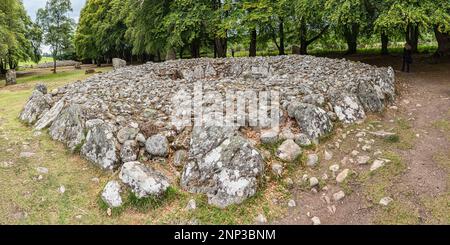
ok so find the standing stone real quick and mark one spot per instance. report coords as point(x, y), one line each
point(49, 116)
point(100, 146)
point(37, 105)
point(68, 127)
point(11, 77)
point(118, 63)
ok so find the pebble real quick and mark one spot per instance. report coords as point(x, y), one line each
point(62, 189)
point(334, 168)
point(42, 170)
point(385, 201)
point(292, 203)
point(328, 155)
point(26, 154)
point(312, 160)
point(332, 209)
point(362, 159)
point(338, 196)
point(342, 176)
point(377, 164)
point(315, 220)
point(192, 205)
point(277, 169)
point(261, 219)
point(355, 153)
point(313, 181)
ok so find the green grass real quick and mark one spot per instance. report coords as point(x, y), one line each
point(31, 63)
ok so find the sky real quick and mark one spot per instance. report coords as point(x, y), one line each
point(33, 5)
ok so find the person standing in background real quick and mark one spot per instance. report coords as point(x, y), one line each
point(407, 57)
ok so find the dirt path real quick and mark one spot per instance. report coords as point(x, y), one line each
point(417, 179)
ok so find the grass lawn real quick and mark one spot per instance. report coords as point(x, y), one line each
point(31, 63)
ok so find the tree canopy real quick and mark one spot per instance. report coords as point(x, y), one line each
point(19, 37)
point(57, 26)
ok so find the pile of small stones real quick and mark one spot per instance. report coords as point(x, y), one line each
point(121, 120)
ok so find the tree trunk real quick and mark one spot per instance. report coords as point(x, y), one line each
point(443, 40)
point(252, 51)
point(54, 64)
point(2, 67)
point(195, 48)
point(384, 43)
point(221, 47)
point(412, 37)
point(303, 38)
point(281, 50)
point(351, 37)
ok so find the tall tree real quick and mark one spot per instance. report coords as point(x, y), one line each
point(15, 27)
point(311, 20)
point(57, 26)
point(256, 14)
point(349, 17)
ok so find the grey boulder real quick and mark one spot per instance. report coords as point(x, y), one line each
point(111, 194)
point(157, 145)
point(68, 127)
point(100, 146)
point(313, 121)
point(223, 164)
point(144, 181)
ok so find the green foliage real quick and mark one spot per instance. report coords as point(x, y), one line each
point(18, 35)
point(154, 29)
point(56, 26)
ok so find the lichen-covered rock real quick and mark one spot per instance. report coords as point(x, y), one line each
point(48, 117)
point(100, 146)
point(38, 104)
point(313, 121)
point(288, 151)
point(157, 145)
point(68, 127)
point(129, 151)
point(111, 194)
point(127, 133)
point(224, 166)
point(302, 140)
point(179, 158)
point(269, 136)
point(144, 181)
point(347, 107)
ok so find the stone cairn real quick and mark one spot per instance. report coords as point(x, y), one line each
point(121, 120)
